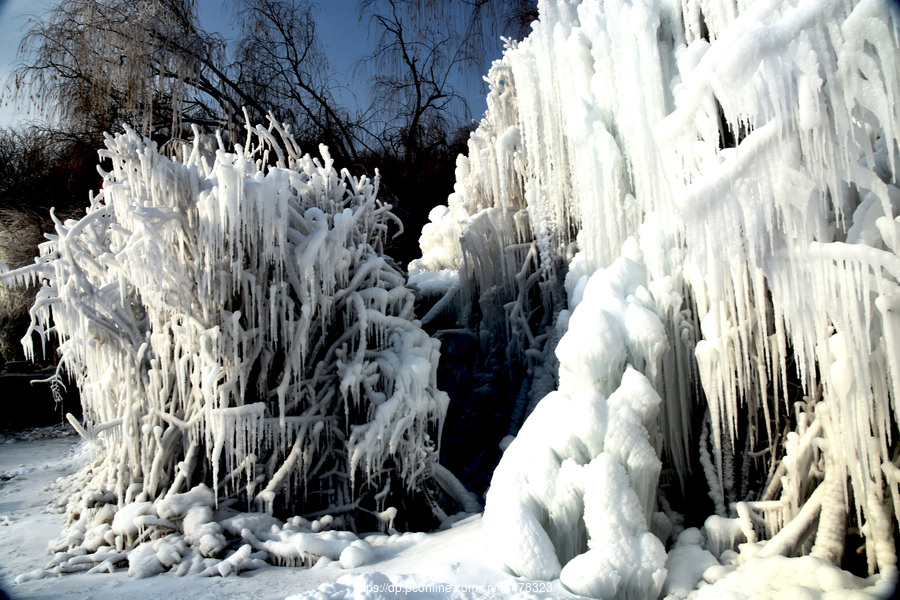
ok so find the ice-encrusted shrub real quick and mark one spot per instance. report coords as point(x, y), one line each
point(233, 325)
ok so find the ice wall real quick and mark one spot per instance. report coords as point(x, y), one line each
point(752, 151)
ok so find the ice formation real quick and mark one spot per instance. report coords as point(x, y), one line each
point(231, 322)
point(577, 485)
point(751, 151)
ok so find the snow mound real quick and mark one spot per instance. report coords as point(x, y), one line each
point(686, 564)
point(378, 586)
point(805, 577)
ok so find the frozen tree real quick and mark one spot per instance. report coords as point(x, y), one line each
point(750, 150)
point(240, 342)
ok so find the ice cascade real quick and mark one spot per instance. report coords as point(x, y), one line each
point(751, 151)
point(578, 482)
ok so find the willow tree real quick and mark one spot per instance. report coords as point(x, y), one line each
point(96, 64)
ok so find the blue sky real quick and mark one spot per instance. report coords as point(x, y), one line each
point(345, 39)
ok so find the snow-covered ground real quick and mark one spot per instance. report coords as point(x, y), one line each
point(444, 564)
point(449, 564)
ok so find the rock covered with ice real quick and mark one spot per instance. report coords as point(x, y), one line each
point(184, 534)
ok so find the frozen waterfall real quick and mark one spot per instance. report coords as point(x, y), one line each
point(743, 158)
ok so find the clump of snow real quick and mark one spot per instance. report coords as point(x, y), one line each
point(356, 554)
point(686, 564)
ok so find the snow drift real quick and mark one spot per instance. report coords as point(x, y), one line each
point(744, 157)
